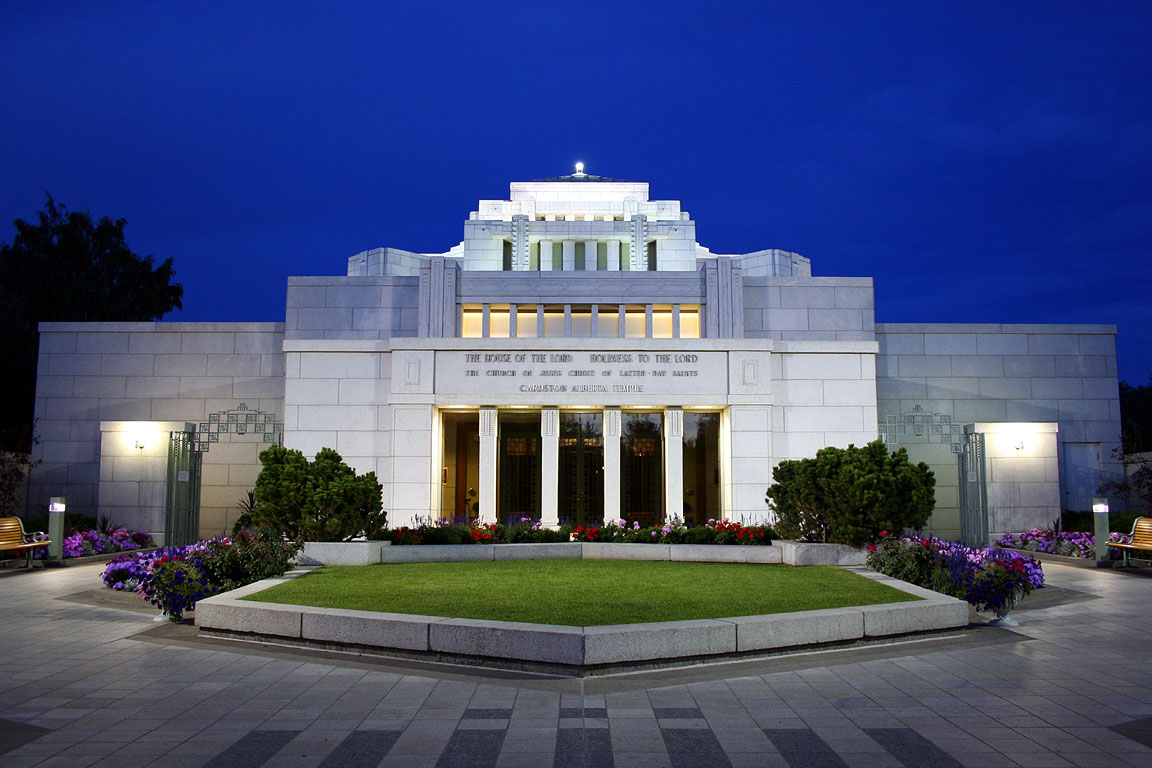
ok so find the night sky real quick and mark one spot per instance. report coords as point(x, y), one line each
point(984, 162)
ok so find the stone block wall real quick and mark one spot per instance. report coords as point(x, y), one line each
point(351, 307)
point(151, 372)
point(822, 397)
point(808, 308)
point(949, 375)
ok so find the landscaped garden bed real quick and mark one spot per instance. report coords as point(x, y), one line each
point(581, 592)
point(1062, 546)
point(590, 649)
point(992, 580)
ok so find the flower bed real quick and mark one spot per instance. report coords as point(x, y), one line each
point(990, 579)
point(175, 578)
point(530, 531)
point(675, 532)
point(1067, 544)
point(95, 542)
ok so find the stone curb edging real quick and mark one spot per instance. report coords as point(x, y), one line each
point(497, 643)
point(787, 552)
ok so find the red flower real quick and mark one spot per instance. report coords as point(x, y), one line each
point(871, 547)
point(926, 543)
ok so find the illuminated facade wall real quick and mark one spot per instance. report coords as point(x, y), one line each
point(579, 355)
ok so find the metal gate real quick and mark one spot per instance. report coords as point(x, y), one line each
point(973, 490)
point(182, 491)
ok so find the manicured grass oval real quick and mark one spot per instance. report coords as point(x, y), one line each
point(581, 592)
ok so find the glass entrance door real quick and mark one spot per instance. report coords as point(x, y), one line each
point(701, 467)
point(642, 468)
point(518, 462)
point(580, 496)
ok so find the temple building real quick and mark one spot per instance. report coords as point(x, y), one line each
point(578, 356)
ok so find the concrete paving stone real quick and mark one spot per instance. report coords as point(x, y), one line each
point(641, 759)
point(524, 759)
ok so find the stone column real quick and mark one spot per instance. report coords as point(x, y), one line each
point(673, 463)
point(569, 255)
point(550, 467)
point(488, 448)
point(545, 255)
point(590, 255)
point(613, 256)
point(611, 436)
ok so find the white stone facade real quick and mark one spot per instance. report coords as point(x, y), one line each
point(577, 301)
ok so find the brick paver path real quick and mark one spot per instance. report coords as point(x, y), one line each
point(80, 685)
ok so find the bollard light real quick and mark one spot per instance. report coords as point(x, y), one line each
point(1100, 518)
point(56, 509)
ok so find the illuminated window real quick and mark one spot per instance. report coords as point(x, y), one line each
point(689, 322)
point(553, 321)
point(498, 321)
point(634, 322)
point(471, 321)
point(608, 322)
point(526, 321)
point(582, 322)
point(662, 321)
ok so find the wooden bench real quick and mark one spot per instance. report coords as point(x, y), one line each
point(12, 536)
point(1141, 538)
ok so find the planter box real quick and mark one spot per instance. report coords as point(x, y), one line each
point(341, 552)
point(804, 553)
point(571, 650)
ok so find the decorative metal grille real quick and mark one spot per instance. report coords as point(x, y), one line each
point(972, 466)
point(239, 421)
point(920, 427)
point(182, 491)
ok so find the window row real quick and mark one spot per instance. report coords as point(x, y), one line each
point(584, 256)
point(605, 321)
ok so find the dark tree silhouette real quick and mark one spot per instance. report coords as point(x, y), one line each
point(65, 267)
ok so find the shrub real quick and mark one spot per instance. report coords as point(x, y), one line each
point(247, 557)
point(322, 500)
point(848, 495)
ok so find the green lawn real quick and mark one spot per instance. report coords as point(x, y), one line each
point(581, 592)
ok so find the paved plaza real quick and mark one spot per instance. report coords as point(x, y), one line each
point(87, 681)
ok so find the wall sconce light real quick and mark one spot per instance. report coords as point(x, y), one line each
point(1019, 445)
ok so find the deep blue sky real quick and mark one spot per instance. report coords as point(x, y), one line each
point(985, 162)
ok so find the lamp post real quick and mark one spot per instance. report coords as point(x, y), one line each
point(1100, 520)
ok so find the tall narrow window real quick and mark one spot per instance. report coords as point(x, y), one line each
point(526, 321)
point(471, 321)
point(689, 322)
point(507, 256)
point(554, 321)
point(519, 467)
point(460, 474)
point(499, 321)
point(652, 256)
point(642, 467)
point(580, 493)
point(582, 322)
point(662, 321)
point(608, 321)
point(634, 322)
point(701, 467)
